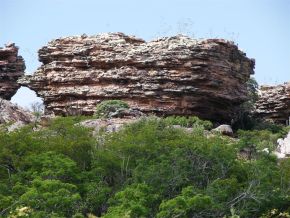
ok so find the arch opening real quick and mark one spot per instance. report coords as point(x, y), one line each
point(26, 98)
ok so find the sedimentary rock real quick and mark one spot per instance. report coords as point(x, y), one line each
point(11, 113)
point(172, 75)
point(11, 68)
point(274, 103)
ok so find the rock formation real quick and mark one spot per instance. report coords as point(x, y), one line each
point(274, 103)
point(11, 68)
point(172, 75)
point(11, 113)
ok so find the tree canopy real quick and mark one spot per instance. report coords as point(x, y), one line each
point(149, 168)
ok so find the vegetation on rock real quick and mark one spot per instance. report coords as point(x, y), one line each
point(106, 108)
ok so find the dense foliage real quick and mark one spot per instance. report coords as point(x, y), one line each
point(148, 169)
point(244, 118)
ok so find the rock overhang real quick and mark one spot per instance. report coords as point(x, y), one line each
point(168, 76)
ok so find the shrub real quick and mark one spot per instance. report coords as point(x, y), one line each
point(187, 204)
point(52, 196)
point(105, 108)
point(191, 121)
point(134, 201)
point(258, 139)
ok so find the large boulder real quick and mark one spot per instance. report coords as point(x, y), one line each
point(168, 76)
point(11, 68)
point(224, 129)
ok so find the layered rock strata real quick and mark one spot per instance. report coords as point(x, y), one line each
point(172, 75)
point(11, 68)
point(274, 103)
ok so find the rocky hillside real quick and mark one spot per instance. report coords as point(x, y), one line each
point(172, 75)
point(11, 68)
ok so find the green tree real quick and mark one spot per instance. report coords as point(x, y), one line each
point(134, 201)
point(188, 204)
point(50, 165)
point(52, 196)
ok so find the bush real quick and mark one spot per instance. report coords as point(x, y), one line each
point(134, 201)
point(189, 122)
point(259, 139)
point(187, 204)
point(105, 108)
point(52, 196)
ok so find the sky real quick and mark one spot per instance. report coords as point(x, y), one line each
point(261, 28)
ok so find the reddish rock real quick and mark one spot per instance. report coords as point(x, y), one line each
point(11, 68)
point(172, 75)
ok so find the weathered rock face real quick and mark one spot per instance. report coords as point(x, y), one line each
point(172, 75)
point(11, 68)
point(274, 103)
point(10, 113)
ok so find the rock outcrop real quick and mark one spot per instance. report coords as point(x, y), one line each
point(11, 113)
point(274, 103)
point(172, 75)
point(107, 125)
point(11, 68)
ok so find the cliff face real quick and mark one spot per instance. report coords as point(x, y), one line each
point(11, 68)
point(274, 103)
point(171, 75)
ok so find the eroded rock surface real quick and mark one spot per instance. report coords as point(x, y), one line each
point(13, 114)
point(11, 68)
point(172, 75)
point(274, 103)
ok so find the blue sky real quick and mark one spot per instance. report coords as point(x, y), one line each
point(261, 28)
